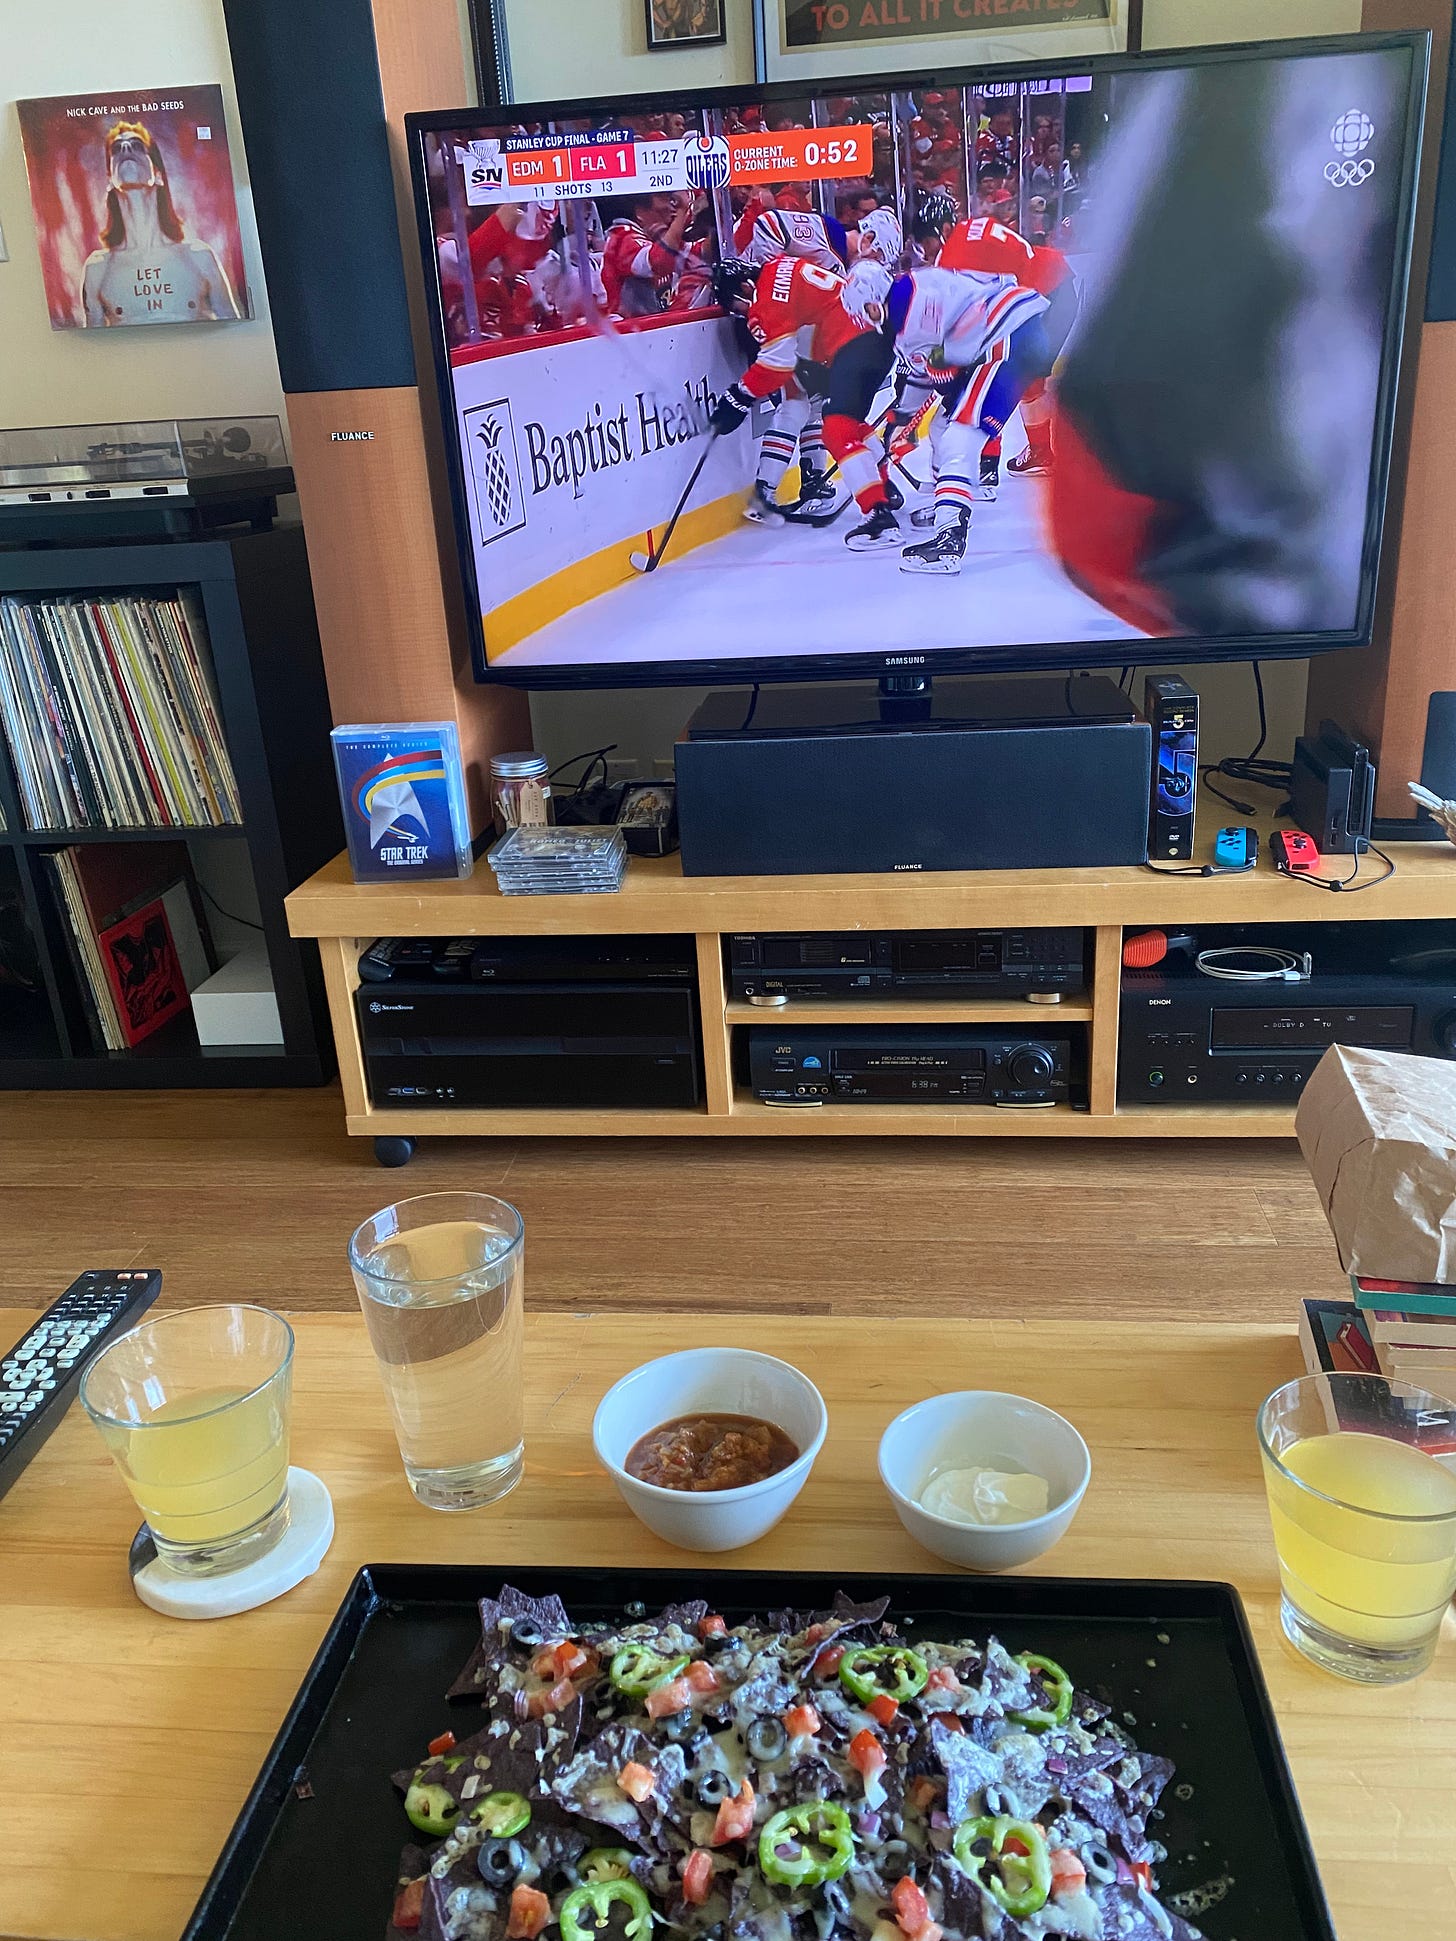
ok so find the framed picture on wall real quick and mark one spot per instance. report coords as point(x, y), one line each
point(809, 40)
point(135, 213)
point(684, 23)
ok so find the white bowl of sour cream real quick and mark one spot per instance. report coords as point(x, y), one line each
point(953, 1459)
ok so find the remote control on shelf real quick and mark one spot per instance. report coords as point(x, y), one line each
point(40, 1375)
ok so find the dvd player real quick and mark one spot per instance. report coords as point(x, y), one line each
point(1039, 964)
point(908, 1065)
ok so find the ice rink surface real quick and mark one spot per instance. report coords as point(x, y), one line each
point(797, 590)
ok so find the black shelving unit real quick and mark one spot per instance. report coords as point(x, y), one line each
point(258, 603)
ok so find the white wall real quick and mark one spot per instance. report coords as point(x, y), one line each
point(79, 376)
point(1192, 23)
point(563, 48)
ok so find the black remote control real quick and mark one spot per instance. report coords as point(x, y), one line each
point(40, 1375)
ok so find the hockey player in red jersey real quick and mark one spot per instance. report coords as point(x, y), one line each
point(994, 249)
point(812, 324)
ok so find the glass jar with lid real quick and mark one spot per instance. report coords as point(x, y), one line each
point(520, 791)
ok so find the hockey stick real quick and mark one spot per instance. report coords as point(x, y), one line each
point(650, 561)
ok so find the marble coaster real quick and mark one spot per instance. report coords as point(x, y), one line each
point(302, 1549)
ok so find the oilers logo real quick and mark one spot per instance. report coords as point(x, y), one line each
point(705, 161)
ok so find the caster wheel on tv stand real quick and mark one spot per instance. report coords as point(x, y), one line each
point(395, 1151)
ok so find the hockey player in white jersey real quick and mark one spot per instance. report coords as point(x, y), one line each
point(977, 341)
point(799, 232)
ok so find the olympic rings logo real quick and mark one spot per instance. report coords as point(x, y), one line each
point(1349, 174)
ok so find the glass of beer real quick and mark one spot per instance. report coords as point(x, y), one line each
point(1361, 1477)
point(441, 1281)
point(194, 1408)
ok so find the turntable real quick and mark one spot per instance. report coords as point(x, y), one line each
point(195, 472)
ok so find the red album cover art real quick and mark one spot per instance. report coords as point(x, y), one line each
point(143, 970)
point(135, 213)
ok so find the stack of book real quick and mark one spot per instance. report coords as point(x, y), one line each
point(110, 714)
point(1404, 1330)
point(137, 944)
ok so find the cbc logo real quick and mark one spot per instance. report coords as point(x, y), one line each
point(1352, 134)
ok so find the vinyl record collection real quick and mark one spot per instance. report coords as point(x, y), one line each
point(110, 714)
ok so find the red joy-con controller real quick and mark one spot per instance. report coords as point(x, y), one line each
point(1294, 852)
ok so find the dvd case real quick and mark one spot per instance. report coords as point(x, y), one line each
point(402, 786)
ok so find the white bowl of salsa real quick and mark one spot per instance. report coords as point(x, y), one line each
point(680, 1465)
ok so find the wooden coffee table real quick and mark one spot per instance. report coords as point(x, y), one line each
point(128, 1741)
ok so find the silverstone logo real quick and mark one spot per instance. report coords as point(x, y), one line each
point(705, 161)
point(1352, 134)
point(495, 470)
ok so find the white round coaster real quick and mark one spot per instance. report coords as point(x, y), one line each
point(303, 1548)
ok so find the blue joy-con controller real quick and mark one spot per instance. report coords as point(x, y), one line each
point(1236, 848)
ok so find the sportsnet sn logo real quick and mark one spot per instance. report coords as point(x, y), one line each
point(495, 470)
point(706, 161)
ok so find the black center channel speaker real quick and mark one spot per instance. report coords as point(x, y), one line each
point(1037, 773)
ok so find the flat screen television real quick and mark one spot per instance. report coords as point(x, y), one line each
point(1078, 364)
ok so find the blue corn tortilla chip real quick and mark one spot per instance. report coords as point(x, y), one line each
point(586, 1785)
point(843, 1615)
point(479, 1677)
point(1126, 1914)
point(966, 1909)
point(968, 1767)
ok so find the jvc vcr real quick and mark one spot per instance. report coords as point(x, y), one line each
point(780, 966)
point(909, 1065)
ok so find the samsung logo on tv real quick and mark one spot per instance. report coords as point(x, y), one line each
point(904, 660)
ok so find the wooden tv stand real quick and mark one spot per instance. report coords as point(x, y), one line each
point(658, 899)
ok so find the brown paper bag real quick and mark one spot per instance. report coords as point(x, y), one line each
point(1378, 1133)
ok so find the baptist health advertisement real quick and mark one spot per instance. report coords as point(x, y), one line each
point(576, 453)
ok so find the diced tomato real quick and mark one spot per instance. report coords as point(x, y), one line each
point(923, 1791)
point(530, 1911)
point(932, 1931)
point(1142, 1873)
point(636, 1781)
point(543, 1665)
point(570, 1660)
point(697, 1877)
point(866, 1753)
point(735, 1817)
point(950, 1721)
point(800, 1721)
point(883, 1709)
point(409, 1905)
point(912, 1910)
point(701, 1676)
point(555, 1699)
point(663, 1700)
point(445, 1743)
point(1014, 1843)
point(1069, 1876)
point(826, 1662)
point(943, 1679)
point(815, 1633)
point(712, 1627)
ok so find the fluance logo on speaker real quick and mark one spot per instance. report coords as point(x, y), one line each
point(601, 441)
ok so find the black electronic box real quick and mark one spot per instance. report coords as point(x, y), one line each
point(909, 1065)
point(774, 968)
point(530, 1021)
point(1187, 1037)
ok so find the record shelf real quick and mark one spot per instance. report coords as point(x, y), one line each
point(257, 602)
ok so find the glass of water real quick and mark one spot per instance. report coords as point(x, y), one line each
point(441, 1280)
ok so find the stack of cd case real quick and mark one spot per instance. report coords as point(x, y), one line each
point(559, 862)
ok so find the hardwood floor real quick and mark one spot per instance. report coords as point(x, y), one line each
point(252, 1196)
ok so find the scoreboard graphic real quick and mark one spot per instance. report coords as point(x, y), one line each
point(556, 168)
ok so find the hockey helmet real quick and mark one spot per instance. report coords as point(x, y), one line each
point(937, 208)
point(865, 292)
point(734, 282)
point(881, 236)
